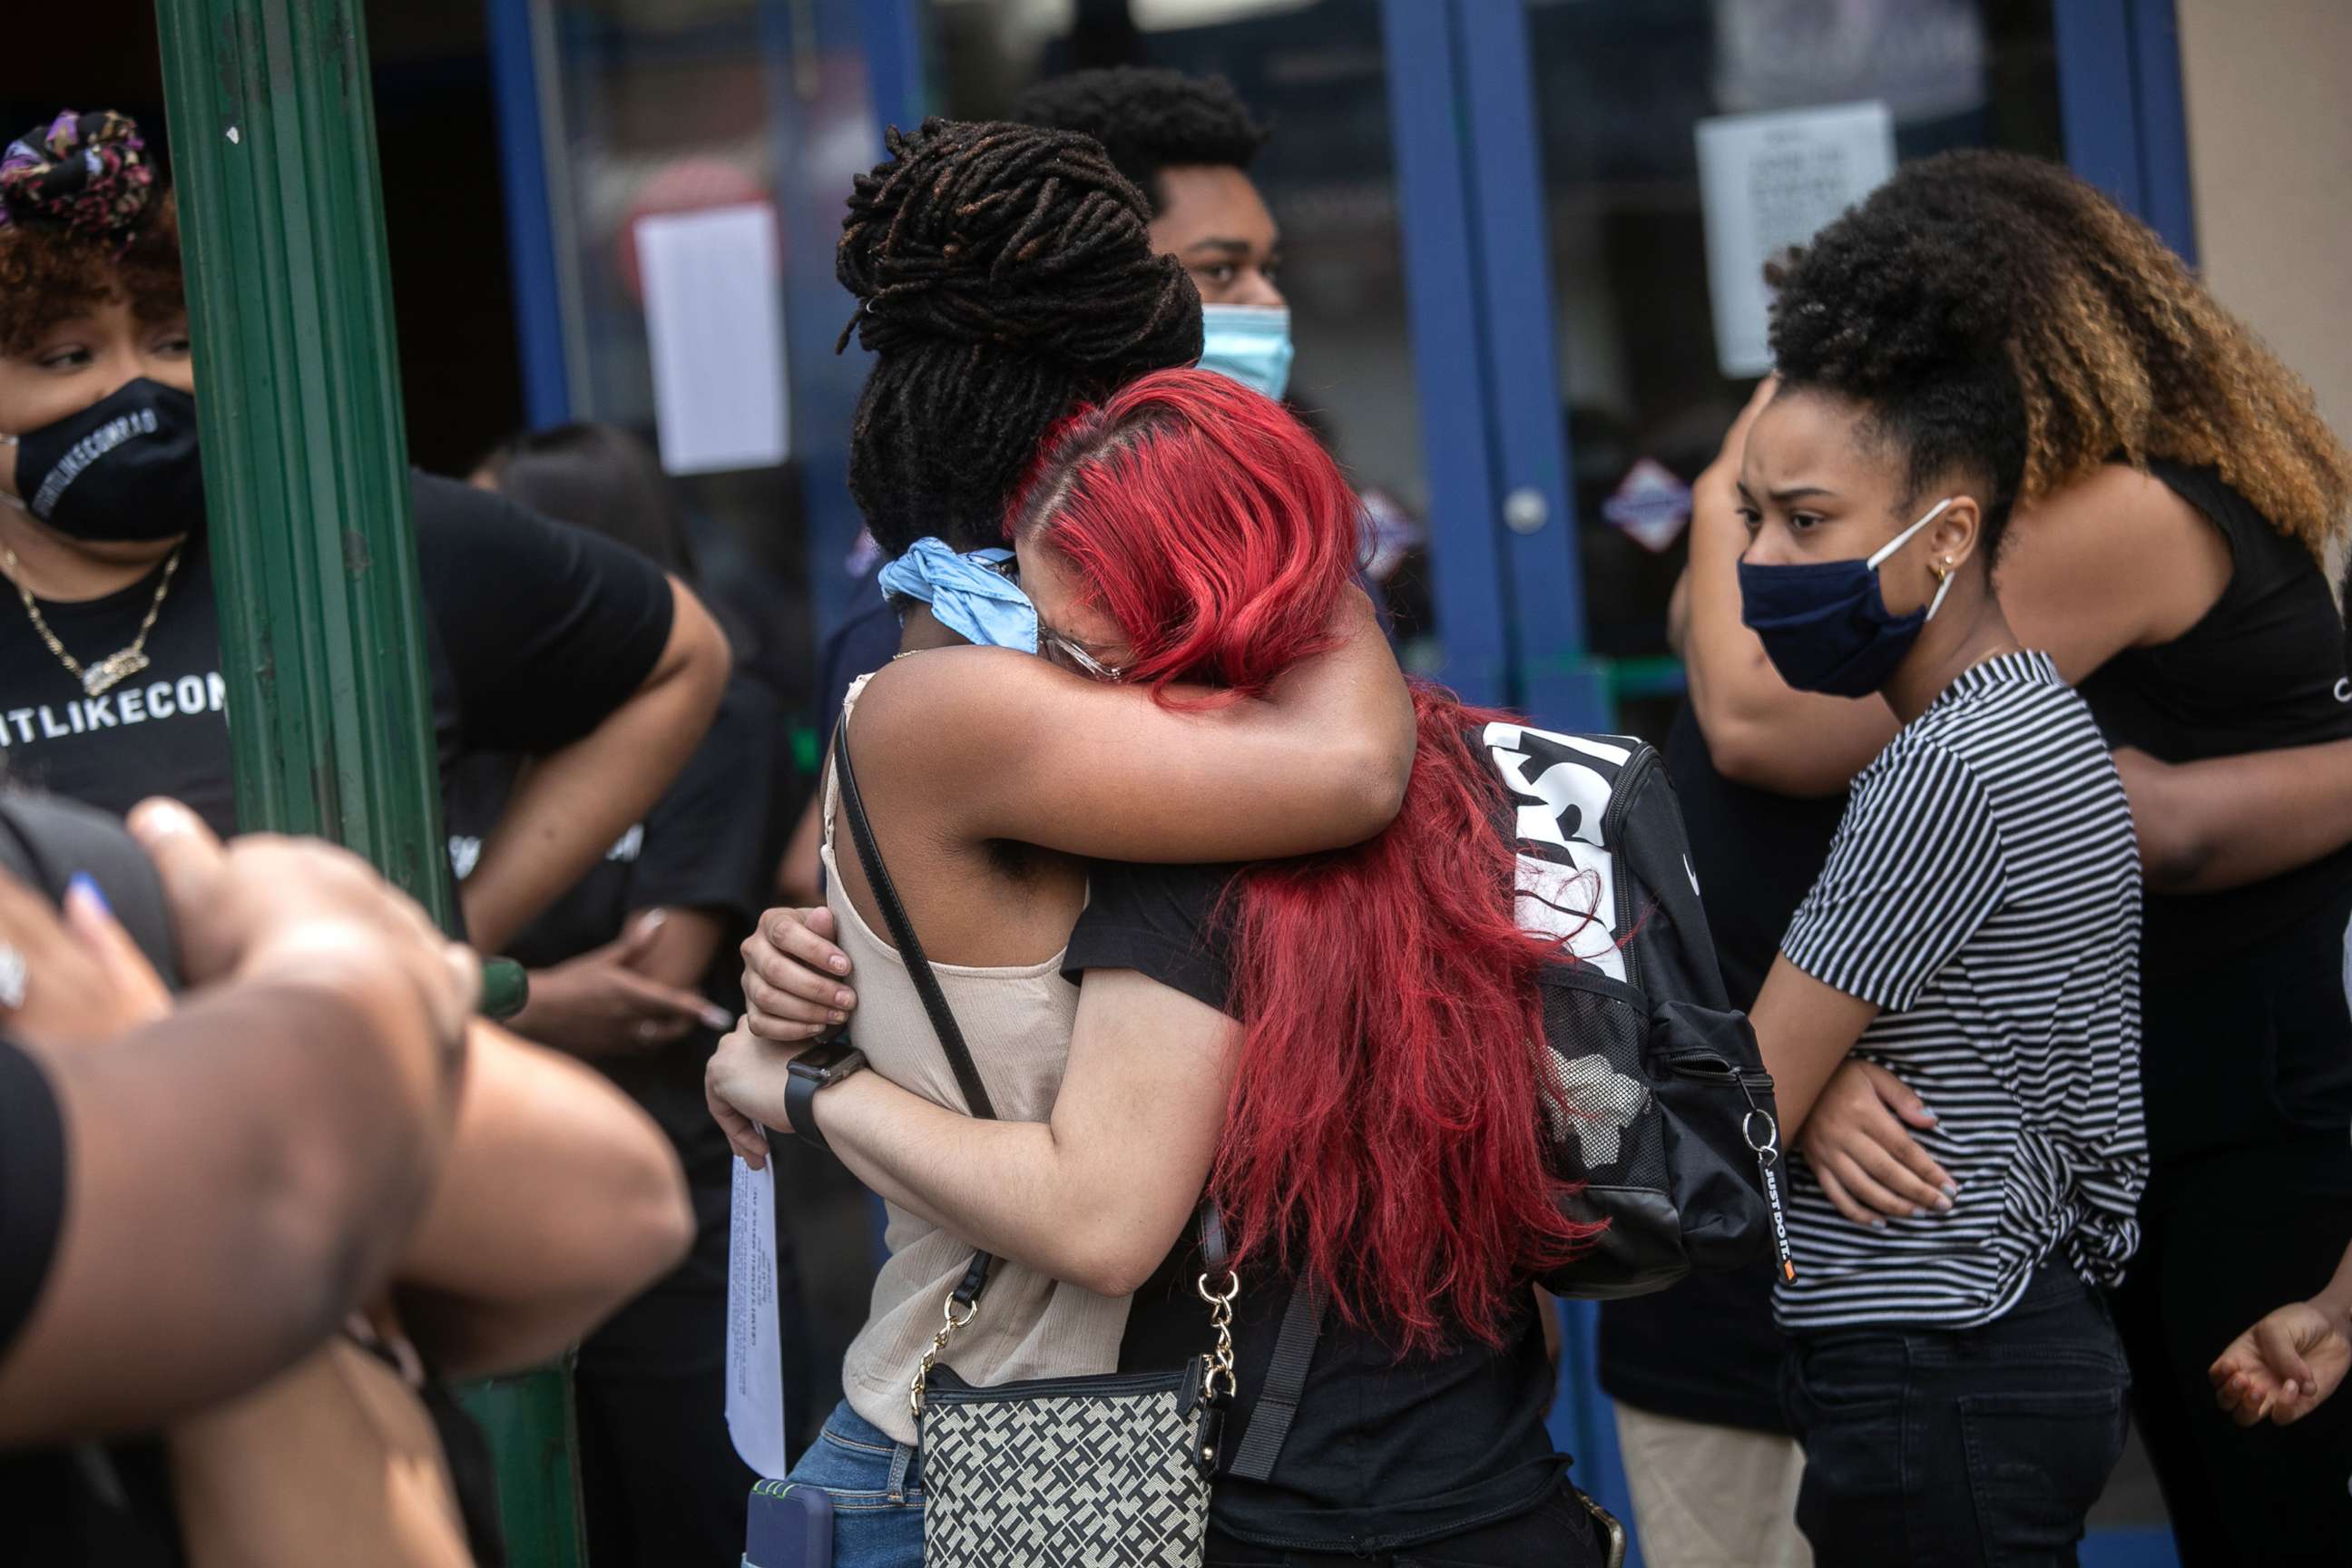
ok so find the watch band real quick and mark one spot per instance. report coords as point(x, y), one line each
point(804, 1078)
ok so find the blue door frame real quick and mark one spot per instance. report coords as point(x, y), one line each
point(1505, 567)
point(1503, 545)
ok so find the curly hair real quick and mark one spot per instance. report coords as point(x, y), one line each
point(1148, 119)
point(1004, 275)
point(1995, 313)
point(47, 276)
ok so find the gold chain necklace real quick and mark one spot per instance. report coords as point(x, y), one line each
point(116, 668)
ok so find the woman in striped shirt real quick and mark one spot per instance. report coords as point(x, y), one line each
point(1954, 1376)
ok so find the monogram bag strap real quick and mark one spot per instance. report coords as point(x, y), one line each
point(918, 970)
point(1294, 1352)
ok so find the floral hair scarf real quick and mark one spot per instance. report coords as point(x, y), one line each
point(82, 173)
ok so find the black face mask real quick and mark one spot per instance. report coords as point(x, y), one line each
point(123, 470)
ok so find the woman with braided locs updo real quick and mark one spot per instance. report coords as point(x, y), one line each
point(1004, 276)
point(2181, 515)
point(547, 642)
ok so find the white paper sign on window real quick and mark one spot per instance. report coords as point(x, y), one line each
point(1770, 181)
point(715, 327)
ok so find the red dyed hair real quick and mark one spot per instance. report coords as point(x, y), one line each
point(1385, 1129)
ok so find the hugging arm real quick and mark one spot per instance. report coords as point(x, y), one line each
point(1096, 1197)
point(2225, 822)
point(1045, 757)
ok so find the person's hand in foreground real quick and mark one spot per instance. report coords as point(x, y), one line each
point(2288, 1365)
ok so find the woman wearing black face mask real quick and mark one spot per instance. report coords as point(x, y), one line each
point(541, 640)
point(1953, 1375)
point(2181, 514)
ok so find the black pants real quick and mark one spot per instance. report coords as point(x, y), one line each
point(2224, 1240)
point(659, 1481)
point(1558, 1533)
point(1979, 1446)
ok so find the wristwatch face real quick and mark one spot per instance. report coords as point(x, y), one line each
point(819, 1061)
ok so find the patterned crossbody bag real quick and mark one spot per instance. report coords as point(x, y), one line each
point(1063, 1472)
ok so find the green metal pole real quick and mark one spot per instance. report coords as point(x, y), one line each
point(306, 480)
point(273, 137)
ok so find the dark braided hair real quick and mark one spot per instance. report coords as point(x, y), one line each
point(1004, 275)
point(1148, 119)
point(2001, 317)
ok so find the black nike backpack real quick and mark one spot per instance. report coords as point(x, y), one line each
point(1661, 1110)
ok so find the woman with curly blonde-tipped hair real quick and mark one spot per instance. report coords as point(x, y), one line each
point(2181, 520)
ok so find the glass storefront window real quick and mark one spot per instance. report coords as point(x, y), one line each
point(658, 106)
point(1620, 86)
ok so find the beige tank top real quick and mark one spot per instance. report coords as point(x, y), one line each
point(1018, 1023)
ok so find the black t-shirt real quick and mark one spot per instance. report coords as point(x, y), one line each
point(1705, 1349)
point(708, 844)
point(1383, 1453)
point(2248, 1039)
point(534, 632)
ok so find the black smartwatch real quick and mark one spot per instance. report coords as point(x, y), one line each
point(812, 1070)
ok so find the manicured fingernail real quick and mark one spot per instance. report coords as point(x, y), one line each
point(838, 1017)
point(1951, 1190)
point(160, 818)
point(85, 886)
point(717, 1017)
point(1943, 1205)
point(837, 963)
point(1878, 1225)
point(844, 998)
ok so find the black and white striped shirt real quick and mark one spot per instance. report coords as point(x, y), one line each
point(1984, 891)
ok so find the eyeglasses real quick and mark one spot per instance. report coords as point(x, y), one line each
point(1085, 663)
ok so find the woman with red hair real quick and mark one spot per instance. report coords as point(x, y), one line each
point(1342, 1049)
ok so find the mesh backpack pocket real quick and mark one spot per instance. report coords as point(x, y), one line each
point(1649, 1113)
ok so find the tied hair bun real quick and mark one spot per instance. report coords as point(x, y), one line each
point(1016, 238)
point(82, 174)
point(1903, 289)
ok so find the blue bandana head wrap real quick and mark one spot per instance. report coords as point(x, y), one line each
point(971, 594)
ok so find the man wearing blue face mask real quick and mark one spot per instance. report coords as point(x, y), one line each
point(1187, 143)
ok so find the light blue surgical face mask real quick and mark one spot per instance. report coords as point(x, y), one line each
point(973, 595)
point(1250, 344)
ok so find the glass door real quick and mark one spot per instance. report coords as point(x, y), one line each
point(1630, 96)
point(1646, 111)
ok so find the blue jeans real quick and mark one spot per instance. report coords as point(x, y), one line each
point(1981, 1446)
point(876, 1484)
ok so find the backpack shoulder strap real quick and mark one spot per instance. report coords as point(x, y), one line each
point(1286, 1384)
